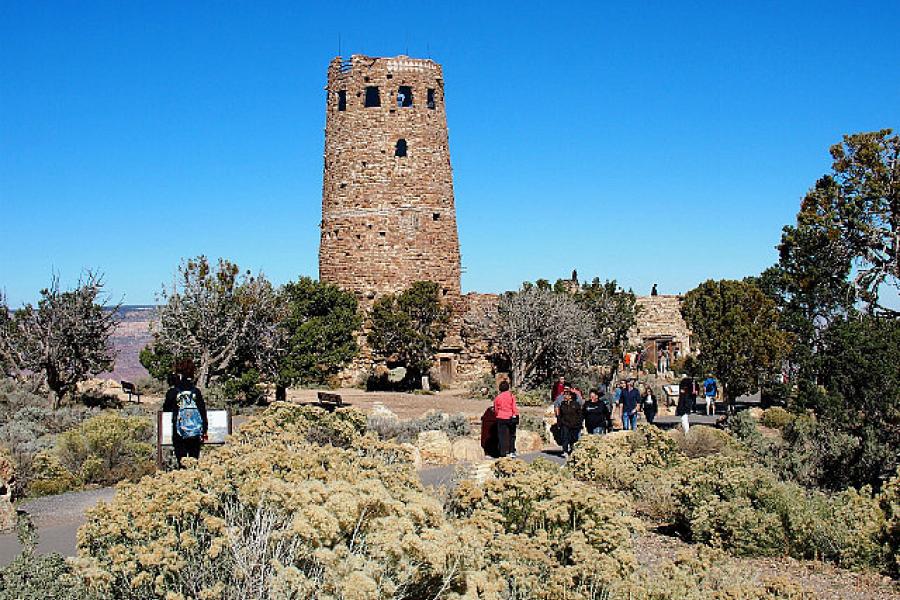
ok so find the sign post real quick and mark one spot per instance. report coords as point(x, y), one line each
point(219, 429)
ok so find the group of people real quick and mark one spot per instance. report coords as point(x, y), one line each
point(574, 414)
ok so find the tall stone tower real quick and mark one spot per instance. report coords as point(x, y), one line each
point(388, 216)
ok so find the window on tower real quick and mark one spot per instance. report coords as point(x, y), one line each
point(342, 100)
point(373, 98)
point(400, 148)
point(429, 102)
point(404, 96)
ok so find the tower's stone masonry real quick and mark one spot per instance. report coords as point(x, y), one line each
point(660, 325)
point(388, 214)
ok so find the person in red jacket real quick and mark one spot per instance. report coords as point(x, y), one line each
point(507, 413)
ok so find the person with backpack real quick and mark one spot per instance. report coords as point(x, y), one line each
point(189, 420)
point(710, 390)
point(597, 416)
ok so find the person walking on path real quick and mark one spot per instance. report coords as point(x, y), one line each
point(710, 390)
point(597, 418)
point(686, 401)
point(650, 406)
point(189, 421)
point(569, 417)
point(507, 413)
point(630, 400)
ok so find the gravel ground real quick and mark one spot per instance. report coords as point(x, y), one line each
point(825, 581)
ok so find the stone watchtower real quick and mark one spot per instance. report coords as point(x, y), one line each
point(388, 216)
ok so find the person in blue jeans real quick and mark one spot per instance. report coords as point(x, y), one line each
point(630, 399)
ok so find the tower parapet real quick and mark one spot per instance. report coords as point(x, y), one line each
point(388, 212)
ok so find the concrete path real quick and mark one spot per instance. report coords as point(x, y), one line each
point(58, 518)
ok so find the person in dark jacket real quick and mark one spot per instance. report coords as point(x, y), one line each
point(569, 417)
point(184, 397)
point(597, 416)
point(686, 399)
point(630, 400)
point(650, 407)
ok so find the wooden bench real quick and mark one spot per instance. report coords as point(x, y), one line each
point(131, 390)
point(330, 401)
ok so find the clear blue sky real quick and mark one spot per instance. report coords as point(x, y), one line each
point(661, 142)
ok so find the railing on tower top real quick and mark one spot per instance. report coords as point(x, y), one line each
point(346, 65)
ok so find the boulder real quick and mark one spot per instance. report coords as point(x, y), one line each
point(435, 447)
point(528, 441)
point(414, 454)
point(7, 482)
point(467, 450)
point(397, 374)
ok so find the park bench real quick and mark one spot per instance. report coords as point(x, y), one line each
point(130, 389)
point(330, 401)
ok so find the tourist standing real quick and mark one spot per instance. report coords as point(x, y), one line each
point(650, 405)
point(710, 390)
point(686, 401)
point(630, 400)
point(597, 417)
point(189, 420)
point(506, 412)
point(569, 418)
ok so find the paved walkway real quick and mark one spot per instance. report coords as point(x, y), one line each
point(58, 518)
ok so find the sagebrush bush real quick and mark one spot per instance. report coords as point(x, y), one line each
point(273, 515)
point(889, 500)
point(614, 460)
point(48, 476)
point(545, 535)
point(28, 426)
point(404, 431)
point(705, 441)
point(108, 448)
point(776, 417)
point(746, 510)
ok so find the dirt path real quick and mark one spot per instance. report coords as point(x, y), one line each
point(824, 580)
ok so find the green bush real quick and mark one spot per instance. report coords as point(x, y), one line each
point(747, 511)
point(28, 426)
point(532, 398)
point(108, 448)
point(776, 418)
point(48, 476)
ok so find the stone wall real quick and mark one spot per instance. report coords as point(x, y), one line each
point(388, 220)
point(660, 317)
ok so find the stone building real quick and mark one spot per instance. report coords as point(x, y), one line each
point(660, 326)
point(388, 214)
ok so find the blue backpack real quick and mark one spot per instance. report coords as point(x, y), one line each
point(189, 423)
